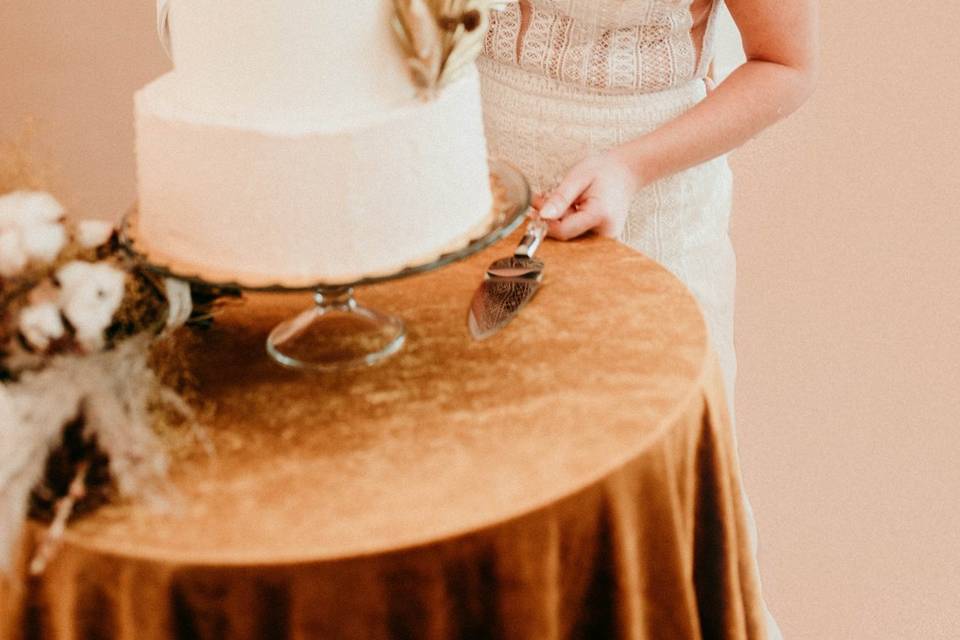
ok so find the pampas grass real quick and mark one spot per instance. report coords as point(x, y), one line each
point(119, 401)
point(113, 391)
point(18, 167)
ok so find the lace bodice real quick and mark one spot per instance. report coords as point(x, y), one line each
point(610, 46)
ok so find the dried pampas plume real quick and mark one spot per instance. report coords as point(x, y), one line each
point(441, 38)
point(114, 391)
point(17, 167)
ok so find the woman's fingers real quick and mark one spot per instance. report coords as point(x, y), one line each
point(576, 223)
point(537, 202)
point(566, 193)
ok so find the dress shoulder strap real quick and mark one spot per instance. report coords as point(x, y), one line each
point(163, 24)
point(709, 37)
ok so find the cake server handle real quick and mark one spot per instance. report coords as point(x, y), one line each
point(532, 238)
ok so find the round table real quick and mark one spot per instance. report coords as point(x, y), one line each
point(572, 477)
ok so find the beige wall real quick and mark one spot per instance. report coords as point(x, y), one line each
point(72, 66)
point(848, 234)
point(847, 231)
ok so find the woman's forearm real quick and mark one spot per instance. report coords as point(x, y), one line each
point(753, 97)
point(780, 43)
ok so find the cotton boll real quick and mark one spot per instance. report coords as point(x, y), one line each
point(43, 241)
point(90, 293)
point(13, 256)
point(93, 233)
point(21, 209)
point(40, 324)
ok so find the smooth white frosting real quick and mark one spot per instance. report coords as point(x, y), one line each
point(294, 60)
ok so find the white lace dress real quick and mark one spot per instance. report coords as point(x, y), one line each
point(592, 74)
point(564, 78)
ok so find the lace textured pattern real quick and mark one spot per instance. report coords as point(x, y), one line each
point(610, 46)
point(544, 127)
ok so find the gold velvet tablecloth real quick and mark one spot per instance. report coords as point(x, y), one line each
point(573, 477)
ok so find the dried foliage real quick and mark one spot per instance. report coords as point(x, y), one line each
point(440, 38)
point(90, 377)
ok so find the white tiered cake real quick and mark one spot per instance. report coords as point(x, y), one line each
point(289, 147)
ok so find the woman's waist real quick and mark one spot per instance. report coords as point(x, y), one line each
point(518, 91)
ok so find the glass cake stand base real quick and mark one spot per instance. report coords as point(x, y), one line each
point(337, 333)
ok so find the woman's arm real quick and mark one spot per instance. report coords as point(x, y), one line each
point(780, 42)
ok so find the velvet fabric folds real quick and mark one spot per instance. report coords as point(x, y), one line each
point(573, 477)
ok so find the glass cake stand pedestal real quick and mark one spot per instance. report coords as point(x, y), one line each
point(338, 332)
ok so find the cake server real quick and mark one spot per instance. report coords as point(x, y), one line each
point(509, 284)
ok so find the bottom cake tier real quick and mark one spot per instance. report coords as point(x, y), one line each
point(302, 203)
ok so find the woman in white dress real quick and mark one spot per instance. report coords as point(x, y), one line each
point(610, 109)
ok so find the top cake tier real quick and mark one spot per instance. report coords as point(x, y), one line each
point(293, 60)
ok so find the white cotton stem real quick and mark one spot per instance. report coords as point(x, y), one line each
point(54, 534)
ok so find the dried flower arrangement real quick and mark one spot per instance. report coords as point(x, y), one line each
point(78, 394)
point(440, 38)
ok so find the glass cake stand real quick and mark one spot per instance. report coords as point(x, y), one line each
point(337, 332)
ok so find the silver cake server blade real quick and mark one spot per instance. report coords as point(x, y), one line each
point(509, 284)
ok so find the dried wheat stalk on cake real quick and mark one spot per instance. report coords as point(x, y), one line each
point(440, 38)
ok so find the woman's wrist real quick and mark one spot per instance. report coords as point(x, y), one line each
point(632, 158)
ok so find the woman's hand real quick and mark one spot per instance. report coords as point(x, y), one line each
point(595, 194)
point(780, 41)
